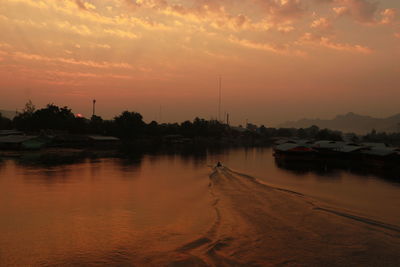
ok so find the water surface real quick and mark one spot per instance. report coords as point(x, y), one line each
point(135, 212)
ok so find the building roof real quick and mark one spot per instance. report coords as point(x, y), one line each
point(380, 151)
point(304, 142)
point(10, 132)
point(285, 141)
point(103, 138)
point(374, 145)
point(329, 144)
point(16, 139)
point(239, 129)
point(290, 146)
point(349, 148)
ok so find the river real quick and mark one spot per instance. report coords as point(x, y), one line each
point(177, 210)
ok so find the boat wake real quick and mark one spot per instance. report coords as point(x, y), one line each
point(260, 225)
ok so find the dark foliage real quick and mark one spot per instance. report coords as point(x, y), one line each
point(130, 125)
point(387, 138)
point(5, 123)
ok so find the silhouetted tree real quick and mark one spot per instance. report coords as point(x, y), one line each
point(96, 125)
point(23, 120)
point(326, 134)
point(262, 130)
point(5, 123)
point(286, 132)
point(51, 117)
point(301, 133)
point(54, 118)
point(312, 131)
point(129, 124)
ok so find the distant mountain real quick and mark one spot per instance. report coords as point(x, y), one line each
point(350, 122)
point(7, 113)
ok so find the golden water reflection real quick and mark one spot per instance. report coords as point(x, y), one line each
point(112, 212)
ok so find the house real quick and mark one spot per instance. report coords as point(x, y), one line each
point(284, 141)
point(21, 142)
point(101, 140)
point(375, 145)
point(380, 152)
point(381, 156)
point(296, 152)
point(80, 140)
point(328, 145)
point(350, 148)
point(10, 132)
point(290, 147)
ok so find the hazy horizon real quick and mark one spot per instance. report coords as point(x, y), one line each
point(278, 124)
point(279, 60)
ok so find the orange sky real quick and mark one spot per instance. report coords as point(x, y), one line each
point(279, 59)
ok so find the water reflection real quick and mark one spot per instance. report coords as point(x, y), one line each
point(117, 210)
point(88, 213)
point(336, 169)
point(50, 166)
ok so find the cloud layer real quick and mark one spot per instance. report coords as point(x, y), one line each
point(100, 43)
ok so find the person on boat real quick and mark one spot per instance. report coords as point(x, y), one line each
point(219, 164)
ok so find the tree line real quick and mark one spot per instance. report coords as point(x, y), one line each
point(130, 125)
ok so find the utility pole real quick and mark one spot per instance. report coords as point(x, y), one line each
point(94, 107)
point(227, 118)
point(219, 99)
point(160, 114)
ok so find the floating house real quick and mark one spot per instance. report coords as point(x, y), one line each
point(375, 145)
point(176, 139)
point(78, 140)
point(103, 141)
point(381, 156)
point(338, 152)
point(290, 151)
point(10, 132)
point(328, 145)
point(350, 148)
point(21, 142)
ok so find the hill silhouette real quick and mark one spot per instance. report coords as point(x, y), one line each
point(350, 122)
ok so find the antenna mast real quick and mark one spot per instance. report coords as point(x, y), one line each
point(219, 99)
point(160, 115)
point(94, 106)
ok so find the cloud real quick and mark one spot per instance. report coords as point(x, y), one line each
point(282, 10)
point(322, 24)
point(81, 4)
point(328, 42)
point(287, 10)
point(284, 49)
point(121, 33)
point(5, 45)
point(362, 11)
point(87, 75)
point(75, 28)
point(104, 46)
point(72, 61)
point(389, 16)
point(32, 3)
point(341, 11)
point(85, 5)
point(220, 14)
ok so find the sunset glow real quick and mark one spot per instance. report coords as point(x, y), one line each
point(279, 59)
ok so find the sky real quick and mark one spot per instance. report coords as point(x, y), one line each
point(278, 60)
